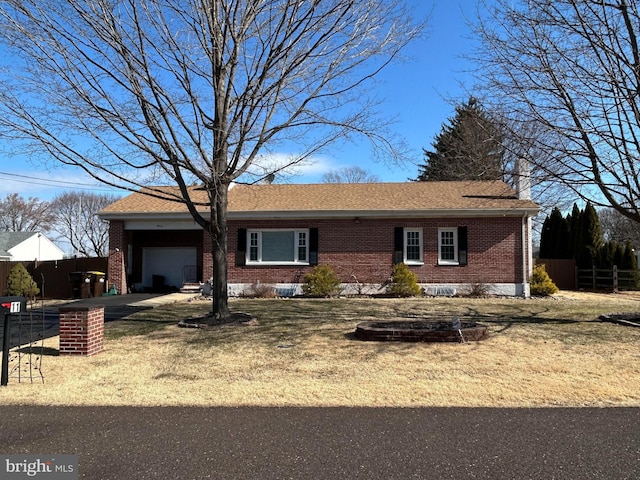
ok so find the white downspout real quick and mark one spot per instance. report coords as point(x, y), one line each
point(523, 190)
point(527, 257)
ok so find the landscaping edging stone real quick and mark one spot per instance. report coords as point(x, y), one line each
point(627, 319)
point(419, 331)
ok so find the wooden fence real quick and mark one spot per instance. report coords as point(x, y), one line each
point(52, 276)
point(561, 271)
point(608, 279)
point(567, 277)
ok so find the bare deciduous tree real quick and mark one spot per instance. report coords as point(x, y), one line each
point(20, 215)
point(195, 91)
point(353, 174)
point(76, 221)
point(569, 68)
point(618, 228)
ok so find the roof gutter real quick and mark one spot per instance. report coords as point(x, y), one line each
point(329, 214)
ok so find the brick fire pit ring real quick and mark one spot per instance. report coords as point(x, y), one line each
point(419, 331)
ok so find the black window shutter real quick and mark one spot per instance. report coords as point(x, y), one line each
point(313, 246)
point(462, 246)
point(398, 245)
point(241, 251)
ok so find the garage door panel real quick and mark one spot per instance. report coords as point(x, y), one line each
point(171, 263)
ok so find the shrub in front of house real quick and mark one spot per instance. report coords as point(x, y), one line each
point(404, 283)
point(541, 283)
point(322, 281)
point(478, 290)
point(20, 283)
point(260, 290)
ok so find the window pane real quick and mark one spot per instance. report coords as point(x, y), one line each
point(447, 246)
point(302, 246)
point(413, 245)
point(277, 246)
point(253, 246)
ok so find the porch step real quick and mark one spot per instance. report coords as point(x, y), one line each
point(191, 288)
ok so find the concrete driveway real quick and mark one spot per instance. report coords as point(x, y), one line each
point(44, 320)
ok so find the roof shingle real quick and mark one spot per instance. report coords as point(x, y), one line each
point(336, 197)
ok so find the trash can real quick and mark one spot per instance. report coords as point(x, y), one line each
point(97, 283)
point(157, 283)
point(80, 284)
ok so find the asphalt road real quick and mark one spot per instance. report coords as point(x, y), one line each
point(331, 443)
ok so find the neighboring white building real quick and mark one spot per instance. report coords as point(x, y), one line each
point(27, 247)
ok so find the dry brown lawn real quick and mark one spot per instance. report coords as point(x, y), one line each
point(539, 352)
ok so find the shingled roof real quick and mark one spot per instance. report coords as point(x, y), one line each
point(338, 199)
point(8, 240)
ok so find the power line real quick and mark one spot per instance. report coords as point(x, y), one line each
point(47, 182)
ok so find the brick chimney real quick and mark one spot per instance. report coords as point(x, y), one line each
point(523, 179)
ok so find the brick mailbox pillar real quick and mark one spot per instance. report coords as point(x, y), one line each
point(81, 330)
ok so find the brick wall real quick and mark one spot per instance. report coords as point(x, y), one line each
point(361, 250)
point(117, 274)
point(207, 257)
point(365, 250)
point(81, 330)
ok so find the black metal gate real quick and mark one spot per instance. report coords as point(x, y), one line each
point(22, 340)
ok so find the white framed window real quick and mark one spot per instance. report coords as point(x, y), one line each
point(278, 247)
point(448, 246)
point(413, 246)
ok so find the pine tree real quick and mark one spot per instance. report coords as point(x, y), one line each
point(554, 238)
point(590, 238)
point(574, 220)
point(607, 255)
point(20, 283)
point(629, 261)
point(469, 147)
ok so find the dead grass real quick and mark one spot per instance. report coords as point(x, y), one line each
point(539, 352)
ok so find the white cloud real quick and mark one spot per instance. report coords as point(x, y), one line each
point(309, 170)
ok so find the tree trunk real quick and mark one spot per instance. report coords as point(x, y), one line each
point(218, 231)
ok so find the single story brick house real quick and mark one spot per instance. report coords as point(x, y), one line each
point(453, 235)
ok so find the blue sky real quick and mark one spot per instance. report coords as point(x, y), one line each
point(418, 94)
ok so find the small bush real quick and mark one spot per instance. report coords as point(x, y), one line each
point(404, 283)
point(479, 290)
point(541, 283)
point(321, 282)
point(20, 283)
point(260, 290)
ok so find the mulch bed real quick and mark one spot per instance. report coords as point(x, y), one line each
point(207, 322)
point(419, 331)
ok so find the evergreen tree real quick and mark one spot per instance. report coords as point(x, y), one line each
point(629, 261)
point(590, 238)
point(618, 255)
point(469, 147)
point(20, 283)
point(546, 249)
point(554, 238)
point(607, 255)
point(574, 220)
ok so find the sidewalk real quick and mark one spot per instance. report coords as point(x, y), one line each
point(139, 300)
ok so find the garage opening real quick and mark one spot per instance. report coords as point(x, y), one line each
point(166, 269)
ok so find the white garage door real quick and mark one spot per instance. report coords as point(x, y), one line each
point(171, 263)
